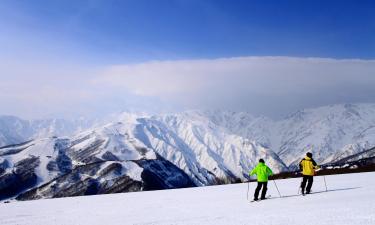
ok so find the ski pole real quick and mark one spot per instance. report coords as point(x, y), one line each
point(247, 195)
point(325, 183)
point(276, 187)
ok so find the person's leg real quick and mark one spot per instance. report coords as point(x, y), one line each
point(259, 186)
point(309, 184)
point(303, 184)
point(264, 190)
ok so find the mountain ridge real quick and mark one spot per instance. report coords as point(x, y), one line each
point(209, 147)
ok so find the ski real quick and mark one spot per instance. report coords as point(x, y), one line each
point(293, 196)
point(267, 197)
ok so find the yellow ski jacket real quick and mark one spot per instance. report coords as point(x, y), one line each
point(308, 166)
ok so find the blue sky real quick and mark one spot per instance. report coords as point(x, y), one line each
point(136, 31)
point(65, 45)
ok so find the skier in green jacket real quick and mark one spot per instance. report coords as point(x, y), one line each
point(262, 171)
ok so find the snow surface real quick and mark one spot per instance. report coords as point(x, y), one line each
point(349, 200)
point(42, 148)
point(129, 168)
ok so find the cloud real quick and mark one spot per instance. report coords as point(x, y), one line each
point(273, 86)
point(259, 84)
point(48, 89)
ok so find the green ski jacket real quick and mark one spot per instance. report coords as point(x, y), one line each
point(262, 171)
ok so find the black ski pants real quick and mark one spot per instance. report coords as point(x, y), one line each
point(307, 180)
point(264, 190)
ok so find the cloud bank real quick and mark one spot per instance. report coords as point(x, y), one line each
point(266, 85)
point(272, 86)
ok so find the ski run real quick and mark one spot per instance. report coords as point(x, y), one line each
point(350, 200)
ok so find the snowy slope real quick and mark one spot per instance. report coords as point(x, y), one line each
point(60, 167)
point(366, 157)
point(202, 149)
point(41, 148)
point(349, 201)
point(244, 124)
point(87, 147)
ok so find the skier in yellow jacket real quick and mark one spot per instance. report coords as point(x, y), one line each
point(308, 167)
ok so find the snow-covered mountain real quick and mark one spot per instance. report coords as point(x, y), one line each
point(103, 160)
point(364, 156)
point(173, 150)
point(202, 150)
point(244, 124)
point(330, 133)
point(14, 130)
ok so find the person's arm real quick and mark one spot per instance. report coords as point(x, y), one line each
point(253, 172)
point(314, 164)
point(269, 171)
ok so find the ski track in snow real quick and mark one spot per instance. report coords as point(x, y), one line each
point(350, 200)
